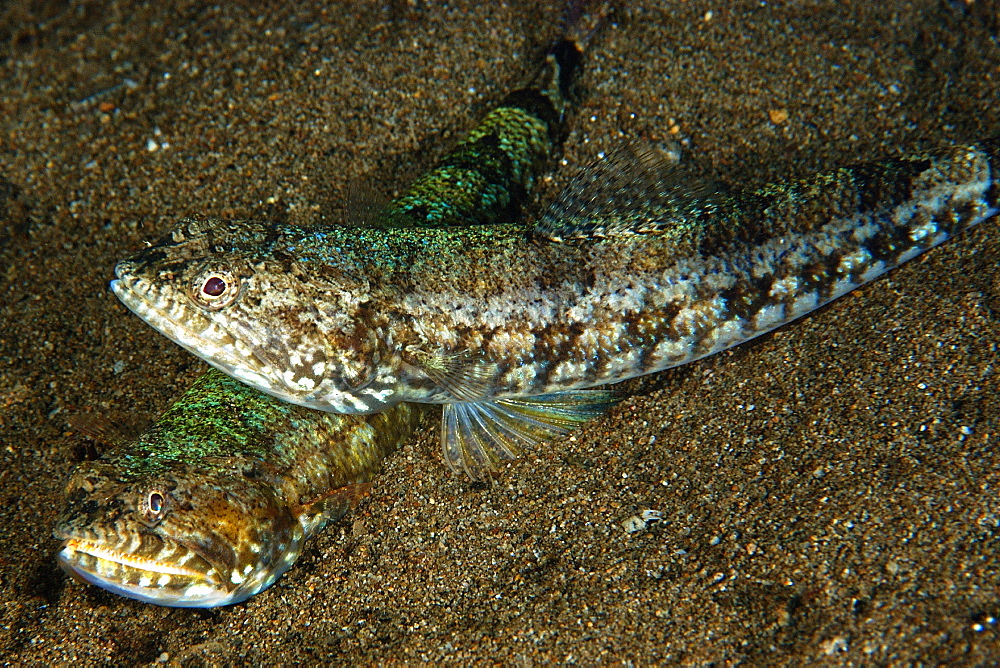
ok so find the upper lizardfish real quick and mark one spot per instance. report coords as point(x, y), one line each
point(213, 502)
point(630, 272)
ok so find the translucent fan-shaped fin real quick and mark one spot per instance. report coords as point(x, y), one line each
point(477, 436)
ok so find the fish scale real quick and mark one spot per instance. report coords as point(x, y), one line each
point(613, 282)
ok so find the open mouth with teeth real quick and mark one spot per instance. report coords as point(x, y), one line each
point(178, 578)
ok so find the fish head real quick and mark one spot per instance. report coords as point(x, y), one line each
point(177, 538)
point(275, 307)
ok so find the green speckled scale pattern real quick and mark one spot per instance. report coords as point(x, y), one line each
point(219, 421)
point(355, 321)
point(486, 178)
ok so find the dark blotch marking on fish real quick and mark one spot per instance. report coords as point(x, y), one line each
point(747, 298)
point(885, 184)
point(884, 246)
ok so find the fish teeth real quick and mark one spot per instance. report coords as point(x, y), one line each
point(125, 558)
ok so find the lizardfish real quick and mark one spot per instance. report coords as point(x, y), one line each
point(630, 272)
point(214, 501)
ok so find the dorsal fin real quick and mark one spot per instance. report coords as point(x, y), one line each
point(636, 189)
point(364, 204)
point(111, 429)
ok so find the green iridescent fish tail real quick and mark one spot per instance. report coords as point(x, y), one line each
point(487, 177)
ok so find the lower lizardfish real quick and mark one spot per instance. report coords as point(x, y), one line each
point(633, 270)
point(213, 502)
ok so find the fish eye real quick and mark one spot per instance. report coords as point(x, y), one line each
point(215, 289)
point(155, 502)
point(155, 506)
point(214, 286)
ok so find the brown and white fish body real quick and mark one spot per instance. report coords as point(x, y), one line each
point(629, 273)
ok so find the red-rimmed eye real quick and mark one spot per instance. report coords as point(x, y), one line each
point(215, 289)
point(214, 286)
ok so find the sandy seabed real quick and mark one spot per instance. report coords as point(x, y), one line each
point(828, 492)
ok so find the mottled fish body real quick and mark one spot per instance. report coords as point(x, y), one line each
point(629, 273)
point(213, 502)
point(486, 178)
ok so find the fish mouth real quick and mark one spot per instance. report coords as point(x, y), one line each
point(188, 581)
point(197, 334)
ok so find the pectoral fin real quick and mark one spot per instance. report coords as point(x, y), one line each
point(109, 428)
point(477, 436)
point(314, 513)
point(466, 376)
